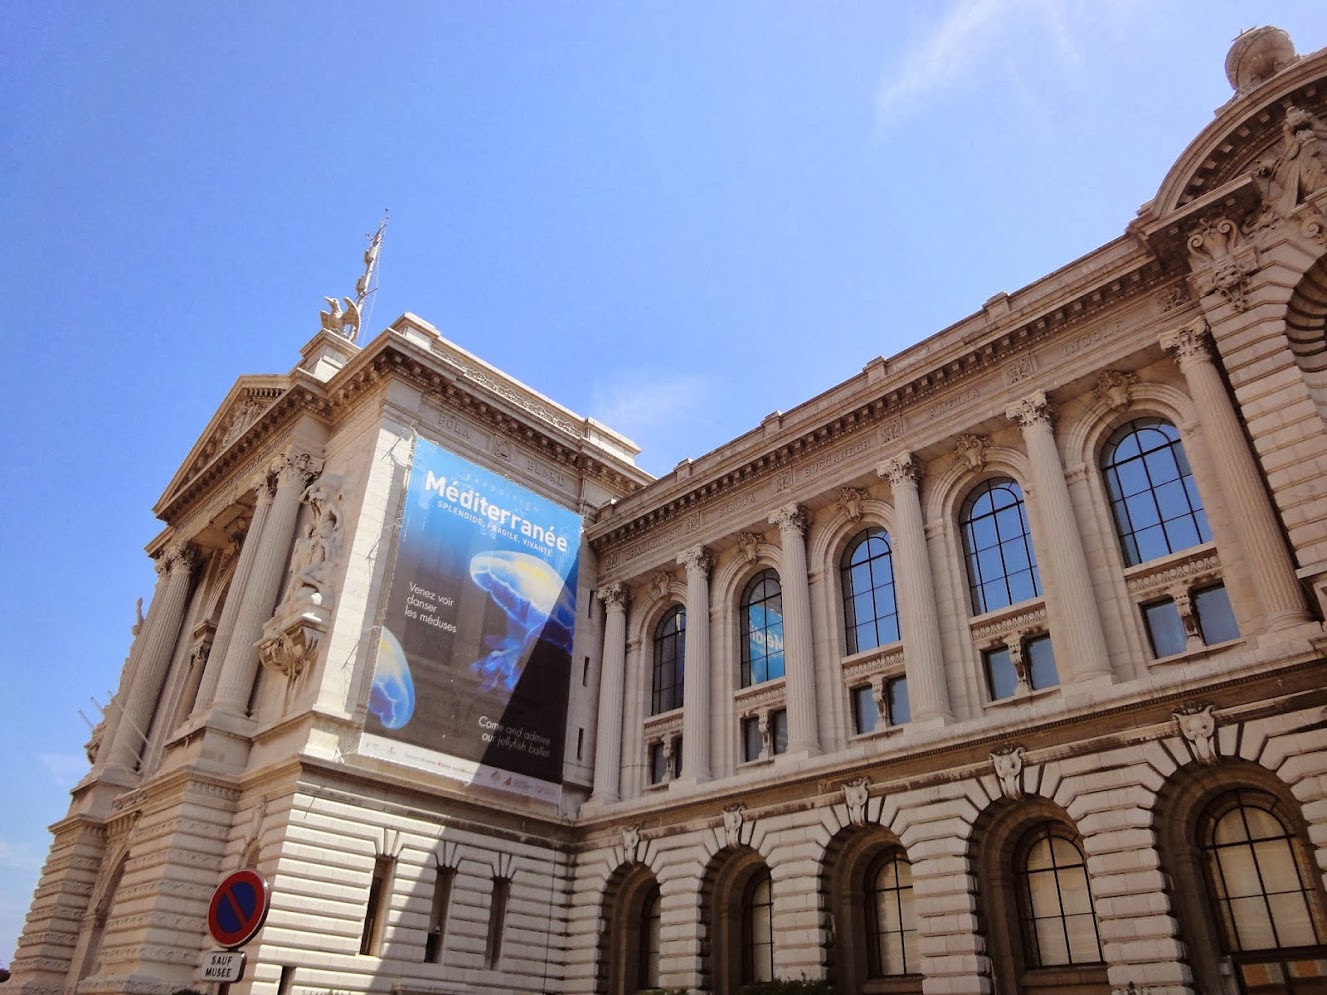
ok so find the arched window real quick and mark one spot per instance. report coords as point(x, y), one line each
point(997, 544)
point(1152, 493)
point(758, 929)
point(1055, 903)
point(669, 661)
point(762, 629)
point(1258, 882)
point(651, 918)
point(891, 922)
point(870, 611)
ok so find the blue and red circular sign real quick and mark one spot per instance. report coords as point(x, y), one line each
point(238, 908)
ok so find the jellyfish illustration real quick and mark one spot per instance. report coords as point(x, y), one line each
point(392, 694)
point(536, 602)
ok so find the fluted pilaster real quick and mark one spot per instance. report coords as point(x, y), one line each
point(612, 681)
point(696, 689)
point(923, 652)
point(798, 654)
point(1070, 584)
point(1264, 545)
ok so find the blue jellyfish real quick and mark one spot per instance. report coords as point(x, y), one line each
point(392, 694)
point(536, 602)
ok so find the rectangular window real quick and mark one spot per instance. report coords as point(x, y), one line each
point(1001, 677)
point(585, 673)
point(657, 763)
point(1040, 662)
point(778, 726)
point(677, 757)
point(375, 913)
point(751, 743)
point(1215, 619)
point(497, 919)
point(1165, 631)
point(896, 701)
point(442, 898)
point(580, 742)
point(865, 714)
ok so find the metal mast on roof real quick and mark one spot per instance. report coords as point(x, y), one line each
point(348, 322)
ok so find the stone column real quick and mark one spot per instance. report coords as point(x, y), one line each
point(1264, 545)
point(163, 630)
point(696, 686)
point(268, 569)
point(231, 609)
point(798, 651)
point(612, 678)
point(919, 620)
point(112, 712)
point(1070, 583)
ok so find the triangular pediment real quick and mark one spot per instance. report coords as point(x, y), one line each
point(242, 408)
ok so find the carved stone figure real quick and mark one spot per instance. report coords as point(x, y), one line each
point(747, 543)
point(631, 842)
point(850, 502)
point(855, 795)
point(93, 745)
point(1197, 724)
point(316, 549)
point(338, 322)
point(732, 824)
point(1009, 769)
point(1300, 169)
point(137, 627)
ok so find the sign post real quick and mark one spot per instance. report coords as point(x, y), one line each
point(237, 911)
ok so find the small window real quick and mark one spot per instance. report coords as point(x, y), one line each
point(751, 741)
point(497, 920)
point(896, 701)
point(375, 917)
point(778, 730)
point(1001, 677)
point(669, 661)
point(870, 610)
point(891, 919)
point(1006, 675)
point(762, 635)
point(1040, 659)
point(442, 896)
point(997, 545)
point(758, 929)
point(1216, 621)
point(865, 712)
point(1165, 629)
point(658, 764)
point(1059, 924)
point(1152, 493)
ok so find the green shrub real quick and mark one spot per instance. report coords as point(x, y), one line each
point(787, 988)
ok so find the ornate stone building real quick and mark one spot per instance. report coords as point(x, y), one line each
point(996, 668)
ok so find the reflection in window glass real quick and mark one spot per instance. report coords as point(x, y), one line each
point(891, 920)
point(1040, 660)
point(865, 714)
point(762, 623)
point(758, 930)
point(778, 723)
point(870, 611)
point(896, 697)
point(1001, 677)
point(658, 763)
point(997, 546)
point(751, 744)
point(1152, 492)
point(1215, 619)
point(669, 661)
point(1164, 629)
point(1059, 926)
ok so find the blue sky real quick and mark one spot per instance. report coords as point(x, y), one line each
point(675, 217)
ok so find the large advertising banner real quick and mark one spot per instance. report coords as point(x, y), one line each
point(474, 652)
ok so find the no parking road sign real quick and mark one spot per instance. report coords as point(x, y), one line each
point(238, 908)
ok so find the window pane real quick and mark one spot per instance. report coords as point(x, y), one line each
point(997, 547)
point(1239, 871)
point(1051, 944)
point(1215, 618)
point(1148, 477)
point(1041, 663)
point(899, 709)
point(1164, 628)
point(1000, 674)
point(1290, 913)
point(779, 727)
point(751, 743)
point(1083, 945)
point(864, 710)
point(1252, 923)
point(656, 763)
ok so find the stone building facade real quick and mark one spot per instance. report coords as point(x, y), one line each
point(996, 668)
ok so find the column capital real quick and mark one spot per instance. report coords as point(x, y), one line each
point(296, 468)
point(616, 596)
point(904, 470)
point(1030, 411)
point(697, 560)
point(1188, 344)
point(789, 518)
point(179, 557)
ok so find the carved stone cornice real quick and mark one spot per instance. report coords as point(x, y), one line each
point(757, 696)
point(1016, 620)
point(791, 519)
point(885, 661)
point(615, 596)
point(1032, 411)
point(1179, 571)
point(903, 470)
point(696, 559)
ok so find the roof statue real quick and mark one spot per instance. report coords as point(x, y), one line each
point(347, 321)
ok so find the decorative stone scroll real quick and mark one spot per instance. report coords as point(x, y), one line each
point(1222, 261)
point(1008, 765)
point(1197, 724)
point(855, 795)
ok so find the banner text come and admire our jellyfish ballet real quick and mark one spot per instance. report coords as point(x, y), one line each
point(474, 654)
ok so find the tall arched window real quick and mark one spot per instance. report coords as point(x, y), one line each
point(1152, 493)
point(997, 545)
point(762, 629)
point(758, 929)
point(1055, 902)
point(891, 922)
point(651, 918)
point(669, 661)
point(1258, 881)
point(870, 611)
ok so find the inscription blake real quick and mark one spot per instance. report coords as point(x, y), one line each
point(546, 472)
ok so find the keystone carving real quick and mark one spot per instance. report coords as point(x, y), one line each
point(1222, 261)
point(732, 824)
point(1197, 724)
point(290, 645)
point(850, 502)
point(971, 450)
point(747, 543)
point(855, 795)
point(660, 582)
point(631, 843)
point(1114, 387)
point(1008, 765)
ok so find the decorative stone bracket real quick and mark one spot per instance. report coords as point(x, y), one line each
point(291, 641)
point(1222, 261)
